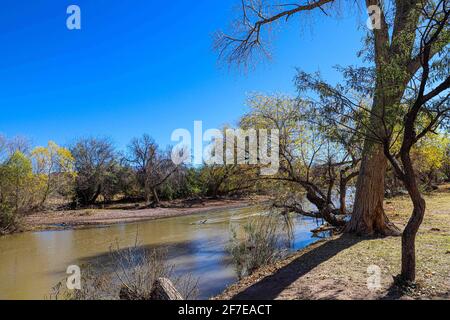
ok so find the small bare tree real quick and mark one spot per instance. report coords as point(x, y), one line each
point(153, 167)
point(93, 161)
point(132, 274)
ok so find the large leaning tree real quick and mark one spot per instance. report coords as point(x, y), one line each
point(424, 110)
point(395, 53)
point(313, 159)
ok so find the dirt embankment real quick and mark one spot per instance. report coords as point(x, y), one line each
point(340, 268)
point(51, 220)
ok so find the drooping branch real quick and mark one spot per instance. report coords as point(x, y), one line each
point(238, 48)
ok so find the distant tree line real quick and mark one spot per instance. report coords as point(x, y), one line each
point(91, 171)
point(316, 160)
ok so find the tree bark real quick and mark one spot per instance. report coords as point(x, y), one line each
point(344, 179)
point(368, 216)
point(390, 54)
point(46, 193)
point(326, 208)
point(165, 290)
point(96, 195)
point(342, 194)
point(409, 234)
point(155, 196)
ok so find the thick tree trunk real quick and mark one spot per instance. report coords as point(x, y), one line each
point(368, 216)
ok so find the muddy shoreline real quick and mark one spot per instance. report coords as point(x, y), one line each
point(88, 218)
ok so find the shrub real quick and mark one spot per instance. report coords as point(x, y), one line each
point(263, 241)
point(9, 221)
point(131, 275)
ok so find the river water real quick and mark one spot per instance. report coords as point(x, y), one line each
point(32, 263)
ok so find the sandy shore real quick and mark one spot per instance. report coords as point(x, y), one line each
point(82, 218)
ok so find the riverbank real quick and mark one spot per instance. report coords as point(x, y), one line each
point(337, 268)
point(84, 218)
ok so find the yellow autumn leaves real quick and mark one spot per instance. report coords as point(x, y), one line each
point(27, 181)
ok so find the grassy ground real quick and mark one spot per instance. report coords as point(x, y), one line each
point(338, 268)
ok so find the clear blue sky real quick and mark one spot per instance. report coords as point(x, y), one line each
point(142, 66)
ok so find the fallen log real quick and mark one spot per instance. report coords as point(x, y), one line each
point(165, 290)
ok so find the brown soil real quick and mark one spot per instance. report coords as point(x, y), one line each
point(128, 213)
point(338, 268)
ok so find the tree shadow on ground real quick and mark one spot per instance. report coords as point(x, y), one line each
point(399, 292)
point(394, 292)
point(271, 286)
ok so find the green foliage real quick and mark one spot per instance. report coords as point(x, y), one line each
point(18, 168)
point(17, 183)
point(167, 192)
point(192, 185)
point(9, 221)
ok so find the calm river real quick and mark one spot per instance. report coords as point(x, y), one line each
point(31, 263)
